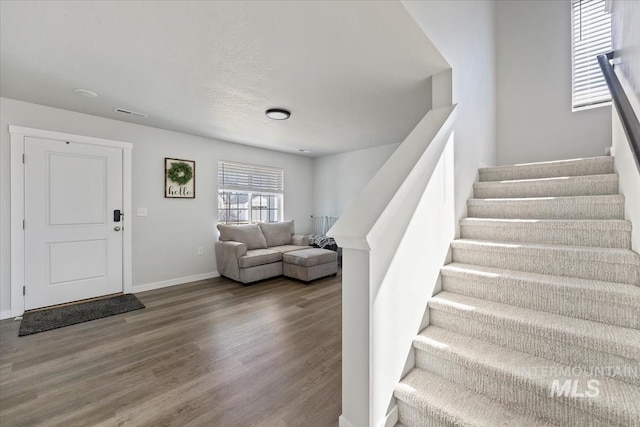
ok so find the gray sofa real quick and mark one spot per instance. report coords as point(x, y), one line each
point(248, 253)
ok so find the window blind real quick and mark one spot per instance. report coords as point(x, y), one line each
point(591, 36)
point(245, 177)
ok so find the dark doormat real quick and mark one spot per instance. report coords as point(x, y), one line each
point(34, 322)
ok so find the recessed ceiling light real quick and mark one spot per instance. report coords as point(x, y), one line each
point(302, 150)
point(86, 92)
point(278, 113)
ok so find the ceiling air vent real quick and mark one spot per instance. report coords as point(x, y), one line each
point(133, 113)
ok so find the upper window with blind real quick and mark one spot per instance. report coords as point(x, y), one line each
point(591, 36)
point(249, 194)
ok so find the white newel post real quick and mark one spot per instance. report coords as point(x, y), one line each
point(355, 338)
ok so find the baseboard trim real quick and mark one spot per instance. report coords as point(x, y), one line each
point(343, 422)
point(390, 420)
point(6, 314)
point(392, 417)
point(174, 282)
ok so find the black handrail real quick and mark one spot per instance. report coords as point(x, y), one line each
point(623, 106)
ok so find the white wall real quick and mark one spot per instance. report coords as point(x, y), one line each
point(626, 42)
point(464, 32)
point(164, 242)
point(629, 175)
point(625, 28)
point(340, 177)
point(535, 121)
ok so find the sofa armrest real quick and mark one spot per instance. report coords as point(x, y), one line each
point(300, 240)
point(232, 248)
point(227, 255)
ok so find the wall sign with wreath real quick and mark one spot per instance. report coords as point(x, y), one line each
point(179, 178)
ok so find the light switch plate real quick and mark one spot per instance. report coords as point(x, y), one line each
point(141, 212)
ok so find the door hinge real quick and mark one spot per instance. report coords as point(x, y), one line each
point(24, 224)
point(23, 158)
point(24, 290)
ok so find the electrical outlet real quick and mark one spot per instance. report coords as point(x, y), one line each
point(200, 250)
point(141, 212)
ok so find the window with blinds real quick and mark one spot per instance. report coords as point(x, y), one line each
point(249, 193)
point(591, 36)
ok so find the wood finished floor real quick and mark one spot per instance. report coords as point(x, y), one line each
point(210, 353)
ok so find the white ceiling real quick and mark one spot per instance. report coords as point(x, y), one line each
point(353, 73)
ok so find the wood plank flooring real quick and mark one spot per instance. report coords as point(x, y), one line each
point(210, 353)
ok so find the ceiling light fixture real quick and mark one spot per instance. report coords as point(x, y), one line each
point(278, 113)
point(86, 93)
point(302, 150)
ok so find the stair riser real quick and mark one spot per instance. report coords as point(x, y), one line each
point(507, 390)
point(560, 348)
point(550, 236)
point(546, 209)
point(550, 262)
point(598, 166)
point(568, 188)
point(572, 302)
point(412, 417)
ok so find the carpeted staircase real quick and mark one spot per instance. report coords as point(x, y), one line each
point(538, 321)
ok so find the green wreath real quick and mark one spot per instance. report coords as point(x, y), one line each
point(180, 173)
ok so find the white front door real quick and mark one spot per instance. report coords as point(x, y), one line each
point(73, 246)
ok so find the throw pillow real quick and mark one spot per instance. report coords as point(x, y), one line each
point(250, 235)
point(277, 233)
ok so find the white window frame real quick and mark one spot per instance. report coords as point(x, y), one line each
point(590, 36)
point(262, 186)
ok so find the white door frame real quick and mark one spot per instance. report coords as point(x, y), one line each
point(18, 134)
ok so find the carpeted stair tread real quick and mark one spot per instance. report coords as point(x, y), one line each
point(451, 404)
point(616, 340)
point(572, 167)
point(576, 207)
point(612, 303)
point(585, 232)
point(587, 185)
point(525, 375)
point(556, 224)
point(617, 255)
point(607, 264)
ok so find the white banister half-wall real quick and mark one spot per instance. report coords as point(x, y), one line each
point(626, 167)
point(395, 237)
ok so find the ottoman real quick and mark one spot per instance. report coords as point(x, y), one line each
point(309, 264)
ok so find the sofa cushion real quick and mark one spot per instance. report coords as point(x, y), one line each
point(277, 233)
point(259, 257)
point(250, 235)
point(288, 248)
point(310, 257)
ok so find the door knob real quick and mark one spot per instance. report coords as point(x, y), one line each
point(116, 228)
